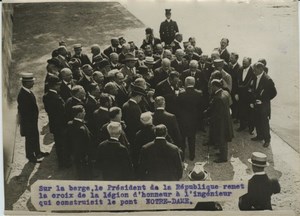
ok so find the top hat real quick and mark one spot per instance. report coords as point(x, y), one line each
point(130, 57)
point(258, 159)
point(149, 31)
point(138, 90)
point(27, 77)
point(168, 11)
point(198, 173)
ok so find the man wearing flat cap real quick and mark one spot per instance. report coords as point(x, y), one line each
point(260, 186)
point(150, 39)
point(113, 158)
point(78, 54)
point(28, 113)
point(220, 125)
point(159, 159)
point(168, 29)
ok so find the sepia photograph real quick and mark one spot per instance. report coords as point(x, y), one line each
point(151, 97)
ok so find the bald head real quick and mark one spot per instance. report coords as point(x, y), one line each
point(66, 74)
point(167, 54)
point(166, 63)
point(193, 65)
point(114, 58)
point(159, 102)
point(189, 82)
point(98, 77)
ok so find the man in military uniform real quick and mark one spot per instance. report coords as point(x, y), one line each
point(168, 29)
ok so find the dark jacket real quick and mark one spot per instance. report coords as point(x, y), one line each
point(152, 43)
point(122, 95)
point(55, 108)
point(65, 91)
point(83, 58)
point(170, 121)
point(199, 78)
point(114, 161)
point(28, 113)
point(109, 50)
point(160, 161)
point(100, 118)
point(179, 67)
point(91, 104)
point(69, 104)
point(260, 190)
point(85, 82)
point(190, 108)
point(234, 73)
point(225, 55)
point(167, 31)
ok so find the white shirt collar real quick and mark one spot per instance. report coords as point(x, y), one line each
point(246, 69)
point(26, 89)
point(259, 76)
point(234, 65)
point(218, 91)
point(92, 96)
point(61, 56)
point(160, 138)
point(259, 173)
point(76, 98)
point(160, 108)
point(66, 82)
point(133, 100)
point(103, 108)
point(114, 138)
point(80, 120)
point(53, 91)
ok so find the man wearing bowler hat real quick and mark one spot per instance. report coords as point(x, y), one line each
point(28, 117)
point(260, 186)
point(168, 29)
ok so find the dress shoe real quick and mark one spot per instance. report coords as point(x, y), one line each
point(220, 161)
point(266, 144)
point(240, 129)
point(42, 154)
point(34, 160)
point(256, 138)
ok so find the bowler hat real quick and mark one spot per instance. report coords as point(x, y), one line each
point(130, 57)
point(258, 159)
point(138, 90)
point(198, 173)
point(27, 77)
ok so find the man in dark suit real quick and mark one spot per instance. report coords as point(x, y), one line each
point(131, 115)
point(198, 50)
point(150, 39)
point(194, 72)
point(87, 78)
point(79, 143)
point(161, 116)
point(168, 88)
point(220, 125)
point(168, 29)
point(234, 68)
point(263, 92)
point(113, 48)
point(66, 84)
point(176, 43)
point(78, 98)
point(61, 58)
point(260, 186)
point(91, 104)
point(55, 108)
point(191, 54)
point(243, 95)
point(78, 54)
point(113, 158)
point(224, 54)
point(189, 114)
point(160, 160)
point(179, 63)
point(162, 72)
point(122, 94)
point(28, 117)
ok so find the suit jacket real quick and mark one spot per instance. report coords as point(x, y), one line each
point(164, 89)
point(199, 78)
point(167, 31)
point(152, 43)
point(225, 55)
point(265, 92)
point(234, 73)
point(55, 108)
point(260, 190)
point(220, 124)
point(83, 58)
point(160, 75)
point(195, 56)
point(122, 95)
point(104, 135)
point(65, 91)
point(109, 50)
point(160, 161)
point(179, 67)
point(170, 121)
point(114, 161)
point(190, 108)
point(85, 82)
point(69, 104)
point(129, 75)
point(63, 63)
point(131, 116)
point(176, 46)
point(244, 87)
point(28, 113)
point(79, 142)
point(91, 105)
point(100, 118)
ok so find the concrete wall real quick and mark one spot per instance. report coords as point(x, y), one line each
point(9, 122)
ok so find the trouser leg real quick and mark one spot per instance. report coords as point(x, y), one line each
point(191, 143)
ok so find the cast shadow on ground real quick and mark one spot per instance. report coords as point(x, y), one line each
point(17, 186)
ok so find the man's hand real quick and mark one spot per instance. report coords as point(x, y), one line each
point(252, 106)
point(258, 102)
point(236, 97)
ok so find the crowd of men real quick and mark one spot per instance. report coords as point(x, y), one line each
point(129, 112)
